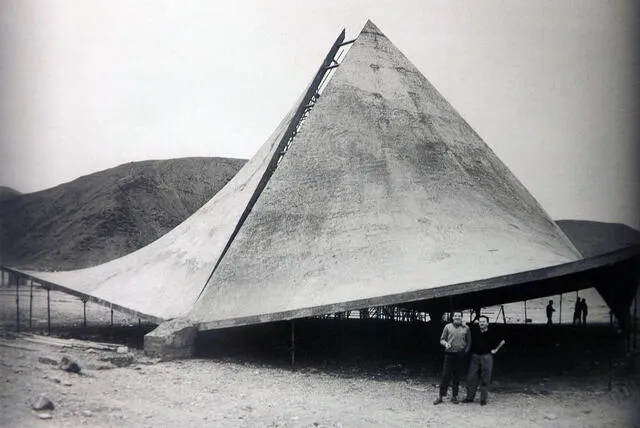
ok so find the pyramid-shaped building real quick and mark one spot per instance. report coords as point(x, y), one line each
point(374, 192)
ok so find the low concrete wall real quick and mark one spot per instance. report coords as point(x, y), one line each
point(171, 340)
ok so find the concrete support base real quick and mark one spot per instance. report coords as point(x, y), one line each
point(172, 340)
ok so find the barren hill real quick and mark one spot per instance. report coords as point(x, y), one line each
point(593, 238)
point(7, 193)
point(105, 215)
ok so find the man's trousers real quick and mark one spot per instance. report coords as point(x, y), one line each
point(479, 370)
point(452, 371)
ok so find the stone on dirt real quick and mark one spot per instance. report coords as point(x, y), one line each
point(119, 360)
point(45, 415)
point(68, 365)
point(122, 350)
point(48, 360)
point(42, 402)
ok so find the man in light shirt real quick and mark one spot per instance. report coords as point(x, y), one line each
point(456, 340)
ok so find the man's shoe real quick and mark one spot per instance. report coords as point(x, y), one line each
point(454, 400)
point(483, 402)
point(468, 400)
point(438, 401)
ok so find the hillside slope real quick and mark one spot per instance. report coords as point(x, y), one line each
point(105, 215)
point(593, 238)
point(7, 193)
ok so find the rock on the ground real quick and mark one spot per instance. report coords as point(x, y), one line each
point(42, 402)
point(122, 350)
point(68, 365)
point(44, 415)
point(48, 360)
point(550, 416)
point(122, 360)
point(87, 413)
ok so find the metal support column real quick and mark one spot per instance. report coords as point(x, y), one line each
point(30, 303)
point(84, 312)
point(48, 310)
point(525, 312)
point(293, 343)
point(635, 320)
point(560, 318)
point(17, 304)
point(611, 346)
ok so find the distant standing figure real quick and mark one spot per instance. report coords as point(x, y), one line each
point(577, 311)
point(456, 340)
point(550, 311)
point(584, 311)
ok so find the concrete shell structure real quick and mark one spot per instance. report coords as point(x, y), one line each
point(385, 195)
point(385, 190)
point(164, 279)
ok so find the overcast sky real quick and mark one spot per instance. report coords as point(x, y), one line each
point(88, 85)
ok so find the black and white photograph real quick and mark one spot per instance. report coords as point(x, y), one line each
point(319, 214)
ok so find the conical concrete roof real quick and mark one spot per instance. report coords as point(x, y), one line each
point(385, 190)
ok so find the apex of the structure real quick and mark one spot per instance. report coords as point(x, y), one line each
point(371, 28)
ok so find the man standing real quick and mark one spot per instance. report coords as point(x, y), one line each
point(550, 311)
point(577, 311)
point(456, 340)
point(484, 345)
point(584, 311)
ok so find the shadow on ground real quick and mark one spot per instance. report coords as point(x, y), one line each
point(536, 356)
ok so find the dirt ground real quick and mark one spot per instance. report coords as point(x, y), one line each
point(347, 374)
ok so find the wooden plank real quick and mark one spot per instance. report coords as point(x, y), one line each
point(70, 343)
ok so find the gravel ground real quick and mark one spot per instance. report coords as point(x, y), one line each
point(253, 391)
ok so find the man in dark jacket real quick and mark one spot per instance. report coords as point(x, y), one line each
point(484, 345)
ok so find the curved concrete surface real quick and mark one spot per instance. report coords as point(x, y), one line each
point(164, 278)
point(386, 190)
point(502, 289)
point(386, 196)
